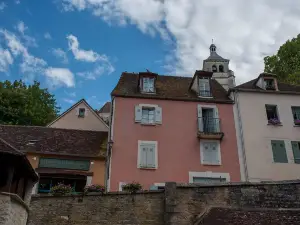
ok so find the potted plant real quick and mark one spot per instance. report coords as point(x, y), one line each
point(297, 122)
point(132, 187)
point(274, 121)
point(94, 188)
point(61, 189)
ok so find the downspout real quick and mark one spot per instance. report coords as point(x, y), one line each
point(240, 126)
point(109, 147)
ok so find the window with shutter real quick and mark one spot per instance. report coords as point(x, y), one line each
point(204, 87)
point(148, 114)
point(279, 151)
point(147, 154)
point(210, 152)
point(296, 151)
point(296, 115)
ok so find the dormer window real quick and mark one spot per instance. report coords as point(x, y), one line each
point(269, 84)
point(148, 84)
point(204, 87)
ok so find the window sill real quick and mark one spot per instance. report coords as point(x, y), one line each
point(148, 124)
point(199, 96)
point(147, 168)
point(270, 124)
point(296, 125)
point(211, 164)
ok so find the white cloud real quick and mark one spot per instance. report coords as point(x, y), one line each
point(70, 101)
point(98, 71)
point(244, 31)
point(21, 27)
point(2, 6)
point(29, 41)
point(71, 94)
point(17, 2)
point(83, 55)
point(30, 63)
point(60, 54)
point(6, 60)
point(60, 77)
point(48, 36)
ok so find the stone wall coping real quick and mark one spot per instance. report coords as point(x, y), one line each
point(233, 184)
point(17, 199)
point(97, 194)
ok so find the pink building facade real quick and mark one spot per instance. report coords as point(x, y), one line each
point(180, 129)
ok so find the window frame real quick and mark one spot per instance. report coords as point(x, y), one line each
point(207, 174)
point(149, 108)
point(293, 108)
point(277, 111)
point(140, 143)
point(208, 90)
point(150, 80)
point(270, 87)
point(202, 142)
point(79, 110)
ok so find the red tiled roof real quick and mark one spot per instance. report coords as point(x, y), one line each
point(58, 141)
point(105, 108)
point(169, 88)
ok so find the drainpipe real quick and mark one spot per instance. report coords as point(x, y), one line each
point(241, 135)
point(109, 146)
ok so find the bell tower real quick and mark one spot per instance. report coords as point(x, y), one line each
point(220, 68)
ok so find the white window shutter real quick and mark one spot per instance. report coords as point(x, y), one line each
point(138, 114)
point(86, 111)
point(217, 119)
point(151, 157)
point(158, 115)
point(206, 153)
point(77, 111)
point(143, 156)
point(214, 153)
point(200, 119)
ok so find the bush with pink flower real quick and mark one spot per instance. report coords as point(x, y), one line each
point(61, 189)
point(94, 188)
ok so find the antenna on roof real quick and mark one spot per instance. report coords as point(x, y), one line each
point(212, 41)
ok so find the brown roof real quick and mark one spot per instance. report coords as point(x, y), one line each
point(169, 88)
point(22, 161)
point(105, 108)
point(282, 87)
point(221, 216)
point(57, 141)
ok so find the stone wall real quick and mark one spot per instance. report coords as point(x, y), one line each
point(13, 211)
point(178, 204)
point(110, 209)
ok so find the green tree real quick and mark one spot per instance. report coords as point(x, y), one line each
point(286, 63)
point(23, 104)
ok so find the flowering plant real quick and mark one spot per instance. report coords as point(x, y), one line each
point(94, 188)
point(61, 189)
point(297, 122)
point(274, 121)
point(132, 187)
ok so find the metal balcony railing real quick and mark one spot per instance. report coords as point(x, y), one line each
point(209, 125)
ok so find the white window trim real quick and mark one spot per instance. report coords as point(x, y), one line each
point(208, 174)
point(120, 185)
point(160, 184)
point(140, 142)
point(200, 96)
point(208, 106)
point(202, 153)
point(149, 106)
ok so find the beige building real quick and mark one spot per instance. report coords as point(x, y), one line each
point(267, 118)
point(80, 116)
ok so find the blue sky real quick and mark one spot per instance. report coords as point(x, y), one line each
point(79, 48)
point(124, 49)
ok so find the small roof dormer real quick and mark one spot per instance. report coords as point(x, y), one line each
point(147, 81)
point(267, 81)
point(201, 83)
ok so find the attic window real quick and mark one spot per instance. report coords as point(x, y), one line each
point(269, 84)
point(204, 87)
point(147, 84)
point(221, 68)
point(81, 112)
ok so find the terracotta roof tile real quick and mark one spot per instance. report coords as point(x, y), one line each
point(105, 108)
point(55, 140)
point(168, 87)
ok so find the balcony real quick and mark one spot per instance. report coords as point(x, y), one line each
point(209, 128)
